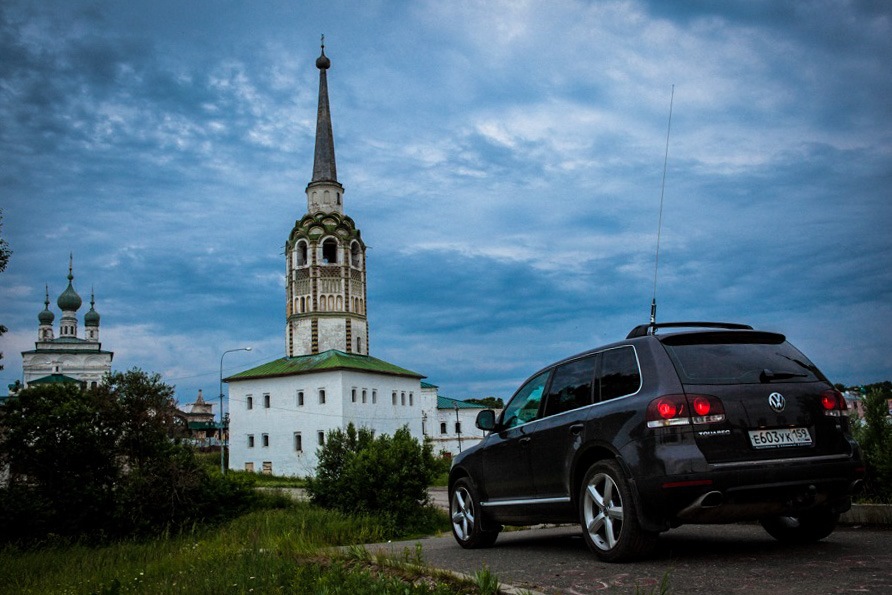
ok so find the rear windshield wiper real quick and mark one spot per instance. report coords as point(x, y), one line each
point(810, 368)
point(769, 375)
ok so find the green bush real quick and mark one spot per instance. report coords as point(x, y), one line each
point(874, 435)
point(104, 463)
point(386, 476)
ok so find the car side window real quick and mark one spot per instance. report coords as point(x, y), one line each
point(524, 406)
point(571, 386)
point(619, 375)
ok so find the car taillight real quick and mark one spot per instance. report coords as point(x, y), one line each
point(677, 410)
point(668, 410)
point(700, 405)
point(833, 402)
point(707, 409)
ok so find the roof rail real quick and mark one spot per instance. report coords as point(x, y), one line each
point(645, 329)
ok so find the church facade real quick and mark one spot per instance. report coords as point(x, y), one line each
point(68, 357)
point(282, 411)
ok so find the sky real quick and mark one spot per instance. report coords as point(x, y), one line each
point(504, 161)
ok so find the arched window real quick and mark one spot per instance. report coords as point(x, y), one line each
point(340, 303)
point(355, 255)
point(330, 251)
point(301, 253)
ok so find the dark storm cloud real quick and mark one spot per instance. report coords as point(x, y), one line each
point(503, 161)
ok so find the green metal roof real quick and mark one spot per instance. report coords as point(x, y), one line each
point(55, 379)
point(447, 403)
point(322, 362)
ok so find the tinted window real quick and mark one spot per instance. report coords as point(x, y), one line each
point(524, 406)
point(619, 373)
point(571, 386)
point(738, 358)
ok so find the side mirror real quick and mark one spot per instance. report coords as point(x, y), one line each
point(486, 420)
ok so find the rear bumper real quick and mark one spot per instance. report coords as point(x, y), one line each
point(749, 490)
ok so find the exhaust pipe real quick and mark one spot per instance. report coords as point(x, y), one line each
point(708, 500)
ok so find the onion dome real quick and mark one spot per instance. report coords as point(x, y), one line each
point(46, 317)
point(91, 318)
point(322, 62)
point(69, 301)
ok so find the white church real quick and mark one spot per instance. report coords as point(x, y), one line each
point(68, 357)
point(281, 411)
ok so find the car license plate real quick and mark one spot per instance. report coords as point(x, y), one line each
point(780, 437)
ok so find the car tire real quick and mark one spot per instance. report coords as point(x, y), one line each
point(466, 516)
point(803, 528)
point(607, 515)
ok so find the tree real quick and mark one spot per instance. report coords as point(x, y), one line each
point(875, 437)
point(386, 476)
point(489, 402)
point(104, 462)
point(5, 253)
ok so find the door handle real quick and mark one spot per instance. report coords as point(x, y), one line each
point(576, 429)
point(524, 441)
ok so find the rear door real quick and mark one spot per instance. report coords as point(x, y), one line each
point(770, 391)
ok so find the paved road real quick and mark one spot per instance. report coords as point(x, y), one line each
point(697, 559)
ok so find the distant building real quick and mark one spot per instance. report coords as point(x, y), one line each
point(203, 429)
point(66, 358)
point(453, 428)
point(281, 411)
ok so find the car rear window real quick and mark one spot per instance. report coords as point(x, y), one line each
point(738, 358)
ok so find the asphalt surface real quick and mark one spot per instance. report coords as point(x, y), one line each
point(694, 559)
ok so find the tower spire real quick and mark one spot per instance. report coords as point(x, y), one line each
point(325, 257)
point(324, 168)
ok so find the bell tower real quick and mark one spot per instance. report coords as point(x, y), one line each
point(325, 256)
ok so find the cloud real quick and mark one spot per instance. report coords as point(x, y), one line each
point(503, 161)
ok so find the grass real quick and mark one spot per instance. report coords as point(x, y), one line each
point(269, 551)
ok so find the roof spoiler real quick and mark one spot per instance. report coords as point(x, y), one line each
point(643, 330)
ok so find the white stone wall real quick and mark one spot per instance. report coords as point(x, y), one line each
point(450, 441)
point(332, 333)
point(88, 366)
point(284, 417)
point(302, 331)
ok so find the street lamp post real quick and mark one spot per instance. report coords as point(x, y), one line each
point(457, 426)
point(222, 424)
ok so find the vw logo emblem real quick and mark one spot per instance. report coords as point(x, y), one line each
point(777, 402)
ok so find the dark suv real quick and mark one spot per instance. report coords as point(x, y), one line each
point(715, 424)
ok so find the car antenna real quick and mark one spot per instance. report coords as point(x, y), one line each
point(653, 303)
